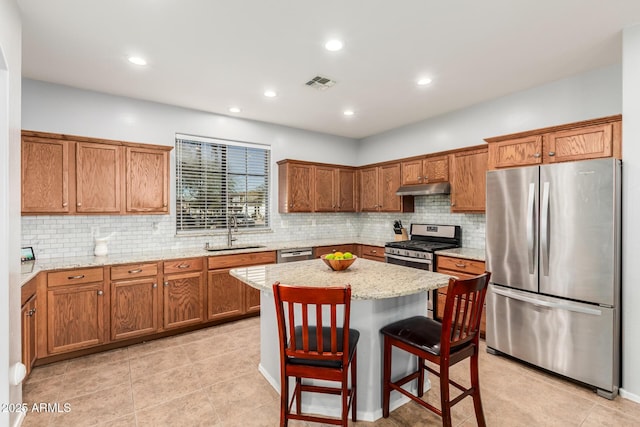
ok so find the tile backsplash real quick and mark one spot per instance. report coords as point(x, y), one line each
point(65, 236)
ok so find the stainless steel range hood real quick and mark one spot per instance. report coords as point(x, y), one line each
point(424, 189)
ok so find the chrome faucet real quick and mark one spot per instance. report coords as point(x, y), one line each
point(233, 224)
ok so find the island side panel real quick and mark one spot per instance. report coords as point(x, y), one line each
point(367, 316)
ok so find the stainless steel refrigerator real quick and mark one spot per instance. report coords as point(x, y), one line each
point(553, 250)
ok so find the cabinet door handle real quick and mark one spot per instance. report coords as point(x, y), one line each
point(136, 271)
point(453, 204)
point(419, 178)
point(65, 204)
point(461, 265)
point(552, 153)
point(80, 276)
point(184, 266)
point(79, 204)
point(166, 283)
point(154, 286)
point(536, 155)
point(164, 205)
point(31, 312)
point(100, 293)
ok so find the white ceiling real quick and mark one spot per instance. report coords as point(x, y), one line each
point(212, 54)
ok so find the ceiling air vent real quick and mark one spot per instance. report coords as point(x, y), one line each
point(321, 83)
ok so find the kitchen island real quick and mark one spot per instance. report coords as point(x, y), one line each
point(381, 294)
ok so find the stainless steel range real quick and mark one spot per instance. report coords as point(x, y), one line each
point(418, 251)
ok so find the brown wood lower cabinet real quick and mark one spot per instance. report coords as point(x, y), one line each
point(75, 317)
point(373, 253)
point(29, 317)
point(184, 293)
point(462, 268)
point(227, 297)
point(318, 251)
point(134, 300)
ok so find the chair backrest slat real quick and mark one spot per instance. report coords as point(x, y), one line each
point(314, 344)
point(463, 311)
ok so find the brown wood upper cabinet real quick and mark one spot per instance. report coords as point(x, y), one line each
point(378, 186)
point(468, 180)
point(588, 139)
point(315, 187)
point(64, 174)
point(98, 178)
point(295, 186)
point(147, 180)
point(425, 170)
point(45, 175)
point(335, 189)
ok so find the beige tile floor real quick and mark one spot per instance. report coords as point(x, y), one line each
point(207, 378)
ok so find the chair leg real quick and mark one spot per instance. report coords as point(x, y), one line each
point(354, 385)
point(444, 395)
point(284, 401)
point(475, 383)
point(298, 392)
point(344, 414)
point(420, 377)
point(386, 377)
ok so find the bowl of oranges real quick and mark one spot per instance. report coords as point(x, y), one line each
point(339, 261)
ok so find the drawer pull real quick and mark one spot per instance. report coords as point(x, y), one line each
point(184, 266)
point(373, 251)
point(136, 271)
point(80, 276)
point(461, 265)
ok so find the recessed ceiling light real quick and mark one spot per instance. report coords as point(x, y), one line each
point(270, 93)
point(348, 112)
point(333, 45)
point(234, 109)
point(424, 81)
point(137, 60)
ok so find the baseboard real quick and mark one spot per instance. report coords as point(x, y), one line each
point(631, 396)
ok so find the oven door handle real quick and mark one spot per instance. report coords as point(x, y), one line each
point(406, 258)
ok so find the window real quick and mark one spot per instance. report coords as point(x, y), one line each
point(219, 180)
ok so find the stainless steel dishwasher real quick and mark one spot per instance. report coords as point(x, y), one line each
point(295, 254)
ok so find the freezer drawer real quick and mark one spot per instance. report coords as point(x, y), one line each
point(572, 339)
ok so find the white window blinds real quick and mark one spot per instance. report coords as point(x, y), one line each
point(217, 180)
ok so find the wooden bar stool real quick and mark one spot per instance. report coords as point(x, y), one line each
point(310, 352)
point(443, 344)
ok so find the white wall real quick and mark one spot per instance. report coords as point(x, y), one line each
point(630, 212)
point(10, 75)
point(597, 93)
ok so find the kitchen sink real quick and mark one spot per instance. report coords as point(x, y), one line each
point(231, 248)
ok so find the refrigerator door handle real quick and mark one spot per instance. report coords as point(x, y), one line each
point(547, 304)
point(544, 229)
point(530, 232)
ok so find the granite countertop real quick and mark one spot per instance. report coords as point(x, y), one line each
point(368, 279)
point(175, 253)
point(467, 253)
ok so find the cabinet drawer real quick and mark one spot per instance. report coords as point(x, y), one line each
point(374, 251)
point(230, 261)
point(131, 271)
point(183, 265)
point(460, 265)
point(74, 277)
